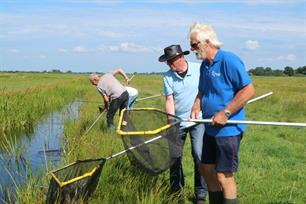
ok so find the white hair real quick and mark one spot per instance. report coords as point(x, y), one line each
point(93, 76)
point(205, 32)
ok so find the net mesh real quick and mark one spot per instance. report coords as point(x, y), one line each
point(140, 125)
point(152, 140)
point(75, 182)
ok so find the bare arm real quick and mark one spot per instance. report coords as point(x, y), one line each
point(106, 101)
point(169, 105)
point(240, 99)
point(122, 73)
point(196, 108)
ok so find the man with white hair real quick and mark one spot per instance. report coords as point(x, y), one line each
point(115, 95)
point(224, 88)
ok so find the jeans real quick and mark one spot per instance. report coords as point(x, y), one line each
point(176, 170)
point(115, 104)
point(132, 99)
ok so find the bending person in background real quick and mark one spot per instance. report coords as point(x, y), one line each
point(180, 89)
point(133, 94)
point(115, 96)
point(224, 89)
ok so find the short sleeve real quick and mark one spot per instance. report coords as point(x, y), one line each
point(101, 91)
point(167, 87)
point(201, 79)
point(237, 73)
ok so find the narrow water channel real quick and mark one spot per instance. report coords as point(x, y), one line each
point(27, 153)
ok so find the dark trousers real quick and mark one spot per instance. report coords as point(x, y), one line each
point(118, 103)
point(176, 170)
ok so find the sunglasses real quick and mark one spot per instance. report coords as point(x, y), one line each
point(195, 45)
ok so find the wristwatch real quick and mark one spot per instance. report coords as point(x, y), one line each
point(227, 113)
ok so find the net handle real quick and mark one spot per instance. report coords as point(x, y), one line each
point(250, 101)
point(145, 98)
point(260, 97)
point(139, 99)
point(104, 111)
point(249, 122)
point(133, 147)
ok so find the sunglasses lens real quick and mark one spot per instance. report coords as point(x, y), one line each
point(194, 45)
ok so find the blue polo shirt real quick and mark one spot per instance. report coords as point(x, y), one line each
point(219, 83)
point(184, 90)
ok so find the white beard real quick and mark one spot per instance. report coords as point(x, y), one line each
point(201, 54)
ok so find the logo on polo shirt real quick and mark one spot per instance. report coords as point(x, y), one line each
point(215, 74)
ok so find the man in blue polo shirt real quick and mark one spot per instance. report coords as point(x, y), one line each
point(180, 89)
point(224, 89)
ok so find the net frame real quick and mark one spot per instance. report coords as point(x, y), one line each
point(156, 157)
point(78, 178)
point(58, 186)
point(62, 183)
point(75, 182)
point(175, 120)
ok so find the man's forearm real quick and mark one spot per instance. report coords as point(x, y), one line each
point(197, 101)
point(169, 105)
point(241, 98)
point(121, 72)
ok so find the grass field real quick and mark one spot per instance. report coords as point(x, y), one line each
point(272, 159)
point(26, 97)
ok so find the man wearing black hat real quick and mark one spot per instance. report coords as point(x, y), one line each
point(180, 89)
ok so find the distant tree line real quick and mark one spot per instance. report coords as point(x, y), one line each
point(287, 71)
point(258, 71)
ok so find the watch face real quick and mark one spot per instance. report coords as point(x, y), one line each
point(227, 113)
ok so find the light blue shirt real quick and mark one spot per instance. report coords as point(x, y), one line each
point(184, 90)
point(219, 83)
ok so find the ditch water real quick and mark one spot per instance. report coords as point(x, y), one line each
point(27, 154)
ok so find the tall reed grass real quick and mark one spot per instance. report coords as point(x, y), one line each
point(22, 107)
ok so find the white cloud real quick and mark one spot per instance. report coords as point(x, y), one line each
point(252, 44)
point(81, 49)
point(122, 47)
point(110, 34)
point(23, 30)
point(289, 57)
point(62, 50)
point(132, 47)
point(112, 48)
point(13, 50)
point(42, 56)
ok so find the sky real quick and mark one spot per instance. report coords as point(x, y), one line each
point(100, 35)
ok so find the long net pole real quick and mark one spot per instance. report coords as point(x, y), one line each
point(259, 97)
point(250, 122)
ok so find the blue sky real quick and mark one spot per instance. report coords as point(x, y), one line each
point(99, 35)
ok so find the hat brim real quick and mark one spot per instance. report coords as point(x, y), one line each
point(164, 58)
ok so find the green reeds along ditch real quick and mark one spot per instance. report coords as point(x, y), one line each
point(24, 98)
point(272, 159)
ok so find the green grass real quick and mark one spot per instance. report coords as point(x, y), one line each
point(25, 98)
point(272, 159)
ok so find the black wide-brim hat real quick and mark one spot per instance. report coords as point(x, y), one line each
point(171, 52)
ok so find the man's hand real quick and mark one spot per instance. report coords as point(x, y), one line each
point(128, 81)
point(219, 119)
point(171, 120)
point(102, 108)
point(196, 108)
point(195, 111)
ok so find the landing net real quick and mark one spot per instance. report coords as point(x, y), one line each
point(137, 126)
